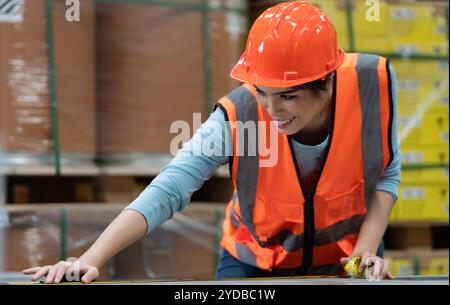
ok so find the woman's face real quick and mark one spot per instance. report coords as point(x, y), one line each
point(294, 110)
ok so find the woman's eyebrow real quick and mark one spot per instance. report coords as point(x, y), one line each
point(291, 90)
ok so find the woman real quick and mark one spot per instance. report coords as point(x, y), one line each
point(328, 196)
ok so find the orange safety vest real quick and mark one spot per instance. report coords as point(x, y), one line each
point(270, 222)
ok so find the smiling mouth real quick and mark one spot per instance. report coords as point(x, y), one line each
point(284, 123)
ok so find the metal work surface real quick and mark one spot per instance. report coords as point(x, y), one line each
point(410, 280)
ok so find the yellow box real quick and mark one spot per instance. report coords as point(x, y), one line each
point(393, 217)
point(431, 129)
point(435, 266)
point(368, 20)
point(415, 46)
point(421, 70)
point(336, 14)
point(422, 202)
point(343, 41)
point(424, 154)
point(407, 29)
point(338, 18)
point(424, 176)
point(416, 96)
point(418, 29)
point(372, 43)
point(426, 31)
point(417, 21)
point(401, 266)
point(371, 28)
point(418, 261)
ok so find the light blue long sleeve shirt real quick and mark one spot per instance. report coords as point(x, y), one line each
point(171, 190)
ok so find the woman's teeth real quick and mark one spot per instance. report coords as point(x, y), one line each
point(284, 122)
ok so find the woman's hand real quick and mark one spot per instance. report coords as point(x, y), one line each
point(127, 228)
point(71, 270)
point(378, 268)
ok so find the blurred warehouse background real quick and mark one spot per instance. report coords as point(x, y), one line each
point(86, 109)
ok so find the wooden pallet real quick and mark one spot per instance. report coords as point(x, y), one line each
point(121, 184)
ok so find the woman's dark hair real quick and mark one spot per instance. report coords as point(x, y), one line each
point(316, 86)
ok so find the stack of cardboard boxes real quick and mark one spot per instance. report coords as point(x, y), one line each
point(403, 263)
point(25, 109)
point(124, 74)
point(422, 88)
point(390, 26)
point(185, 247)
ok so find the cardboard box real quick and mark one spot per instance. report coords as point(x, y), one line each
point(338, 17)
point(435, 266)
point(151, 73)
point(424, 176)
point(25, 119)
point(401, 266)
point(430, 129)
point(422, 202)
point(412, 153)
point(418, 29)
point(416, 96)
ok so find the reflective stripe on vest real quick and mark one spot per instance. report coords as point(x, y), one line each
point(371, 128)
point(248, 165)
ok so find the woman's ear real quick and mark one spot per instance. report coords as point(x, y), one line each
point(329, 86)
point(330, 79)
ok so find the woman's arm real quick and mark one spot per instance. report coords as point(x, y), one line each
point(390, 179)
point(385, 195)
point(383, 200)
point(370, 235)
point(125, 229)
point(194, 163)
point(128, 227)
point(168, 193)
point(375, 223)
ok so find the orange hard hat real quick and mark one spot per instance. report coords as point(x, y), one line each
point(290, 44)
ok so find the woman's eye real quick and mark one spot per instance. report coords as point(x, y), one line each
point(288, 97)
point(260, 92)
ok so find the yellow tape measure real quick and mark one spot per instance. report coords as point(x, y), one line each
point(352, 269)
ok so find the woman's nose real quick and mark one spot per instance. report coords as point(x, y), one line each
point(272, 107)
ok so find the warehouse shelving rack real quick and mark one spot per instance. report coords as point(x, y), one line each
point(205, 8)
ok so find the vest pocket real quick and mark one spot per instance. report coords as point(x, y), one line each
point(346, 205)
point(279, 211)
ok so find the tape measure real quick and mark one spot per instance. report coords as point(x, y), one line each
point(352, 269)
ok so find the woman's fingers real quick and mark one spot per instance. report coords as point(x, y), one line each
point(75, 271)
point(71, 259)
point(344, 261)
point(365, 257)
point(52, 272)
point(90, 275)
point(42, 271)
point(71, 268)
point(377, 268)
point(377, 265)
point(72, 271)
point(31, 270)
point(386, 274)
point(61, 271)
point(389, 276)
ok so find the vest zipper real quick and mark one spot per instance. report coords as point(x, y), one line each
point(309, 233)
point(308, 218)
point(308, 208)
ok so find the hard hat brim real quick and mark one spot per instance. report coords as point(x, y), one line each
point(240, 73)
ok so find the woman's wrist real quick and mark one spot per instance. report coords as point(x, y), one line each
point(92, 258)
